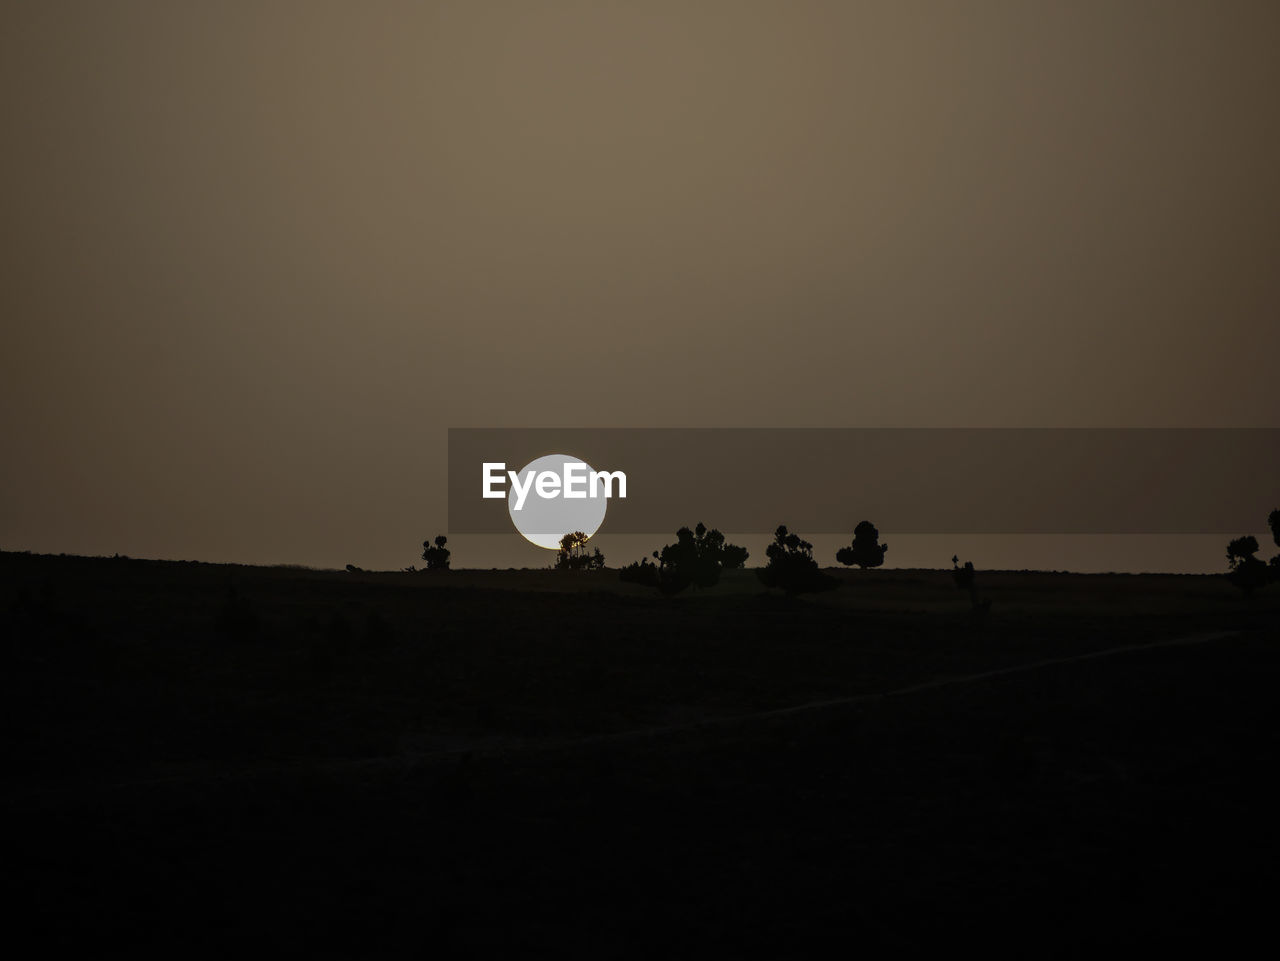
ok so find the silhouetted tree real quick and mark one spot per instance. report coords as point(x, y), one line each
point(696, 558)
point(864, 551)
point(791, 565)
point(1242, 548)
point(573, 556)
point(436, 555)
point(1245, 570)
point(733, 557)
point(679, 565)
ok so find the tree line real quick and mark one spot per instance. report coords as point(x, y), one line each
point(698, 555)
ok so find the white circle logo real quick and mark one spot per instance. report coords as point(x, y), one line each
point(543, 519)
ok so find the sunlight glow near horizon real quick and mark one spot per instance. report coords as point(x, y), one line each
point(543, 522)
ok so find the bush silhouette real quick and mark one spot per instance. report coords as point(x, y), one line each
point(641, 572)
point(436, 555)
point(696, 558)
point(864, 551)
point(732, 556)
point(1245, 570)
point(573, 556)
point(1242, 548)
point(791, 565)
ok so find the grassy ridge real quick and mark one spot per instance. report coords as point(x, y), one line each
point(381, 761)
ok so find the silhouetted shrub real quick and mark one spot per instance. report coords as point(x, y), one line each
point(696, 558)
point(1242, 548)
point(436, 555)
point(641, 572)
point(791, 565)
point(680, 565)
point(573, 556)
point(1246, 571)
point(732, 556)
point(864, 551)
point(966, 579)
point(352, 569)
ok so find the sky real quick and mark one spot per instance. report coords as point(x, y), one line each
point(258, 258)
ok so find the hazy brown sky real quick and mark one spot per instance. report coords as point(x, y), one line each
point(258, 257)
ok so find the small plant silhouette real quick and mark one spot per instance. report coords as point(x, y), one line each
point(791, 565)
point(966, 579)
point(436, 555)
point(864, 551)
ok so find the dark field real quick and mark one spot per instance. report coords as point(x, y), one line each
point(212, 758)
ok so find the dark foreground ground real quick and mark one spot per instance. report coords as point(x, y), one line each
point(206, 759)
